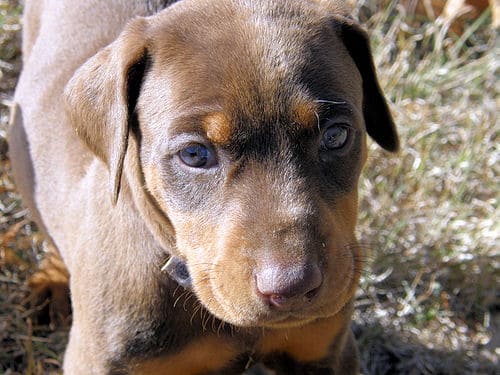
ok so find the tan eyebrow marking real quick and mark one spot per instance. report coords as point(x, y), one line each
point(217, 127)
point(305, 113)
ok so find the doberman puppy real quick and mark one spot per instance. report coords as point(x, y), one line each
point(196, 166)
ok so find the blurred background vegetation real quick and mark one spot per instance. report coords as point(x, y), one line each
point(429, 302)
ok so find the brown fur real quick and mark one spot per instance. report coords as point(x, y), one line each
point(107, 99)
point(202, 350)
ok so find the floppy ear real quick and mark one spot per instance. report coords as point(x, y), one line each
point(378, 118)
point(100, 98)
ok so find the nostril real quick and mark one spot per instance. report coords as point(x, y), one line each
point(312, 293)
point(277, 300)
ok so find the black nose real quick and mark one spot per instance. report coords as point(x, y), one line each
point(280, 286)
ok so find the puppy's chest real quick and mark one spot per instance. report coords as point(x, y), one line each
point(183, 343)
point(215, 355)
point(175, 336)
point(198, 345)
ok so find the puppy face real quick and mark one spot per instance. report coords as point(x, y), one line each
point(252, 121)
point(252, 142)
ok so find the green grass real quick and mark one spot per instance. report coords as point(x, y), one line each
point(429, 299)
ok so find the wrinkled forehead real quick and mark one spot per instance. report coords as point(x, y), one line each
point(246, 66)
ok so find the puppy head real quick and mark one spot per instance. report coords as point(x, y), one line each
point(252, 121)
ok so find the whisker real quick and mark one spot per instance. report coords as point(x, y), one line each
point(318, 121)
point(205, 321)
point(195, 311)
point(328, 101)
point(222, 324)
point(175, 291)
point(204, 264)
point(186, 301)
point(178, 298)
point(213, 324)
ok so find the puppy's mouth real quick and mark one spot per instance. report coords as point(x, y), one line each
point(177, 269)
point(251, 306)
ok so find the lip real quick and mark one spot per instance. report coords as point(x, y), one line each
point(297, 318)
point(289, 321)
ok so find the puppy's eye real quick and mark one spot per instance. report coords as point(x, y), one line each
point(197, 156)
point(335, 137)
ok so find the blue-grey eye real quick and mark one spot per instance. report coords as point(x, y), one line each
point(197, 156)
point(335, 137)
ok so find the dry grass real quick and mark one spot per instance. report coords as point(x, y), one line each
point(431, 213)
point(429, 303)
point(27, 346)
